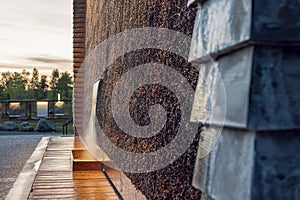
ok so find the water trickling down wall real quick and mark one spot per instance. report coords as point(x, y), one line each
point(104, 20)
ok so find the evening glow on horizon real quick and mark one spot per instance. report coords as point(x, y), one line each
point(36, 33)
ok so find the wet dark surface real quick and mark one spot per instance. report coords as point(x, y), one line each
point(276, 21)
point(105, 19)
point(277, 172)
point(275, 99)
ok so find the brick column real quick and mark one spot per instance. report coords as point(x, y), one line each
point(256, 47)
point(79, 17)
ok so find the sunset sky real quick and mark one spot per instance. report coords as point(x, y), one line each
point(36, 33)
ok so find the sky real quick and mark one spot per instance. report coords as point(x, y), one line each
point(36, 33)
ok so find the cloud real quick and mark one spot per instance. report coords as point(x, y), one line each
point(44, 70)
point(35, 33)
point(48, 59)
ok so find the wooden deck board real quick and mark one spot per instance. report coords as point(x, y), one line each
point(56, 180)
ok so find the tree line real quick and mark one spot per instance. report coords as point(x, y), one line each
point(26, 85)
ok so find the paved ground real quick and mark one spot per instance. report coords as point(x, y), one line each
point(15, 149)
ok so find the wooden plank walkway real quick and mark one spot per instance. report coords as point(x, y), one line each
point(56, 180)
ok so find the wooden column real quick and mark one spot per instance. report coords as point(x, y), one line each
point(79, 16)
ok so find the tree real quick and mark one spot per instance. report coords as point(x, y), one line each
point(3, 93)
point(34, 84)
point(20, 86)
point(53, 83)
point(16, 86)
point(5, 76)
point(26, 83)
point(43, 86)
point(64, 85)
point(25, 78)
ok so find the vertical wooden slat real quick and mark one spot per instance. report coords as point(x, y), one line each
point(79, 16)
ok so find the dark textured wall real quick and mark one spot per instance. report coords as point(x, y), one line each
point(277, 173)
point(274, 99)
point(276, 22)
point(104, 20)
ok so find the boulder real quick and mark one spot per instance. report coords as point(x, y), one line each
point(27, 129)
point(9, 126)
point(24, 126)
point(45, 126)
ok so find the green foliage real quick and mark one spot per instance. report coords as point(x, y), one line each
point(15, 86)
point(25, 78)
point(5, 76)
point(2, 93)
point(12, 86)
point(34, 88)
point(64, 85)
point(20, 86)
point(43, 86)
point(53, 84)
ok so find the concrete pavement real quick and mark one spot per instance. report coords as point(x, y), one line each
point(14, 152)
point(15, 149)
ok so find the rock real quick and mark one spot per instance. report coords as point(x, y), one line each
point(27, 129)
point(24, 126)
point(2, 127)
point(9, 126)
point(45, 126)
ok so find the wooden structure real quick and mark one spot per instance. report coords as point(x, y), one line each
point(79, 15)
point(28, 108)
point(56, 180)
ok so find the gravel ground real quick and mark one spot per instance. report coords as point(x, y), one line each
point(15, 149)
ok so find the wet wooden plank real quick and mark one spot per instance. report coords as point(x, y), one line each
point(78, 144)
point(56, 180)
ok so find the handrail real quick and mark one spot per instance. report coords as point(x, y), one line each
point(66, 125)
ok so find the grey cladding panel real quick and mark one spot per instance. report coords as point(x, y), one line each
point(220, 25)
